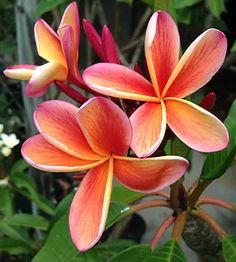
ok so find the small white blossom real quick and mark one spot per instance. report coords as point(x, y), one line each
point(10, 140)
point(6, 151)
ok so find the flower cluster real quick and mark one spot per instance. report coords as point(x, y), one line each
point(97, 136)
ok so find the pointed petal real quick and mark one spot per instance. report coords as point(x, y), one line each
point(198, 64)
point(20, 72)
point(48, 43)
point(151, 174)
point(109, 46)
point(71, 52)
point(94, 38)
point(149, 125)
point(71, 18)
point(43, 76)
point(118, 81)
point(44, 156)
point(89, 208)
point(195, 126)
point(161, 48)
point(56, 121)
point(105, 126)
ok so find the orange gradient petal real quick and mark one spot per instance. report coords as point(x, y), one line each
point(43, 76)
point(195, 126)
point(149, 125)
point(161, 48)
point(20, 72)
point(48, 43)
point(89, 208)
point(151, 174)
point(198, 64)
point(105, 126)
point(118, 81)
point(44, 156)
point(56, 122)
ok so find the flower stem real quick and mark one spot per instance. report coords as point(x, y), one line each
point(216, 202)
point(174, 196)
point(149, 204)
point(179, 225)
point(161, 231)
point(210, 221)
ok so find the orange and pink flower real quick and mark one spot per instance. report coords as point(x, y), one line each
point(96, 137)
point(171, 80)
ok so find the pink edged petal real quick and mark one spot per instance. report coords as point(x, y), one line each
point(161, 48)
point(105, 126)
point(89, 208)
point(20, 72)
point(43, 76)
point(198, 64)
point(44, 156)
point(71, 53)
point(71, 18)
point(48, 43)
point(118, 81)
point(149, 125)
point(56, 122)
point(151, 174)
point(195, 126)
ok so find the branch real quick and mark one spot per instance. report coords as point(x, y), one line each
point(216, 202)
point(179, 226)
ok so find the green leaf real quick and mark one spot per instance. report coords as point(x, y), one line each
point(169, 252)
point(229, 248)
point(123, 195)
point(116, 211)
point(185, 3)
point(138, 253)
point(18, 167)
point(26, 187)
point(27, 220)
point(130, 2)
point(6, 208)
point(233, 48)
point(14, 247)
point(45, 6)
point(184, 15)
point(217, 163)
point(216, 7)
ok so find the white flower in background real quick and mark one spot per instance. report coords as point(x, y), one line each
point(1, 128)
point(9, 140)
point(6, 151)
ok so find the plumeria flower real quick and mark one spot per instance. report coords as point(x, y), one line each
point(95, 137)
point(60, 50)
point(171, 80)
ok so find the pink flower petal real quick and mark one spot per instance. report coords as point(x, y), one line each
point(118, 81)
point(195, 126)
point(149, 125)
point(89, 208)
point(161, 49)
point(44, 156)
point(56, 121)
point(198, 64)
point(151, 174)
point(20, 72)
point(48, 43)
point(105, 126)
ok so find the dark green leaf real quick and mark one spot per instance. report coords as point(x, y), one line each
point(6, 208)
point(45, 6)
point(14, 247)
point(27, 220)
point(18, 167)
point(169, 252)
point(185, 3)
point(116, 211)
point(229, 248)
point(123, 195)
point(183, 15)
point(217, 163)
point(130, 2)
point(216, 7)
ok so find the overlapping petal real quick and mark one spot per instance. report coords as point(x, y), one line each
point(151, 174)
point(161, 48)
point(44, 156)
point(118, 81)
point(199, 63)
point(195, 126)
point(89, 208)
point(43, 76)
point(56, 121)
point(48, 43)
point(105, 126)
point(20, 72)
point(149, 125)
